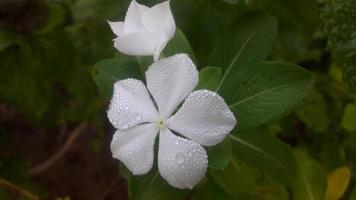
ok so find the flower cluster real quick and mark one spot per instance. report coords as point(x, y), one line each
point(141, 114)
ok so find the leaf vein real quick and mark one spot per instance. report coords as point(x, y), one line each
point(255, 148)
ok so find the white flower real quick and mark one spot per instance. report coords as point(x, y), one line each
point(203, 119)
point(145, 31)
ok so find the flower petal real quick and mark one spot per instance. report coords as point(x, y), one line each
point(141, 43)
point(135, 147)
point(116, 27)
point(159, 20)
point(183, 163)
point(131, 104)
point(133, 20)
point(204, 117)
point(160, 17)
point(170, 80)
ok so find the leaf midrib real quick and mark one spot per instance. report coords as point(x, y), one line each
point(237, 56)
point(307, 186)
point(257, 95)
point(256, 149)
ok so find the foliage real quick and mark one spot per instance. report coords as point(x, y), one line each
point(340, 29)
point(294, 102)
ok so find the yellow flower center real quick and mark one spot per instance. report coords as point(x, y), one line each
point(161, 123)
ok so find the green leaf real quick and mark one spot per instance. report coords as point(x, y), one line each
point(310, 180)
point(250, 89)
point(56, 16)
point(348, 119)
point(107, 72)
point(265, 92)
point(220, 154)
point(332, 154)
point(339, 28)
point(145, 62)
point(238, 179)
point(231, 1)
point(298, 21)
point(271, 190)
point(348, 60)
point(248, 41)
point(179, 44)
point(209, 78)
point(353, 194)
point(7, 39)
point(153, 187)
point(124, 172)
point(262, 151)
point(313, 113)
point(209, 190)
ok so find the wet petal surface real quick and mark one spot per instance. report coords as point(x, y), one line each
point(204, 117)
point(131, 105)
point(183, 163)
point(170, 81)
point(135, 147)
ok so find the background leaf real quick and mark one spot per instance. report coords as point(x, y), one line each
point(238, 179)
point(313, 112)
point(209, 78)
point(262, 151)
point(310, 181)
point(267, 91)
point(153, 187)
point(107, 72)
point(210, 190)
point(220, 154)
point(348, 119)
point(248, 41)
point(179, 44)
point(338, 180)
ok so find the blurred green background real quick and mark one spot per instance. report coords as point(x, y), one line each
point(48, 50)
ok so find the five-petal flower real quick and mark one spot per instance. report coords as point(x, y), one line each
point(203, 119)
point(145, 31)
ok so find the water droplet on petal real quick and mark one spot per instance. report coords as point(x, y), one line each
point(180, 158)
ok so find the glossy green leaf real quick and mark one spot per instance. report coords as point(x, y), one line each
point(262, 150)
point(249, 88)
point(209, 78)
point(265, 92)
point(310, 180)
point(248, 41)
point(220, 155)
point(107, 72)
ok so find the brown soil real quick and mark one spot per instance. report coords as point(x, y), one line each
point(82, 173)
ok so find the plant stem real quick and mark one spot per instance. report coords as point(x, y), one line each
point(18, 189)
point(51, 161)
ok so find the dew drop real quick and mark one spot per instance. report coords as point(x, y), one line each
point(138, 117)
point(180, 158)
